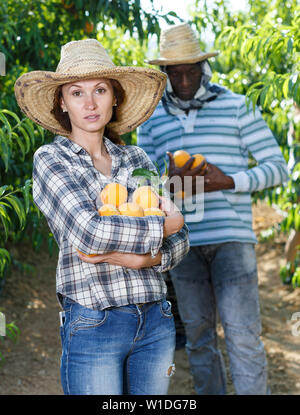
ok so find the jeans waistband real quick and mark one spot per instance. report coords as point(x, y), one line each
point(128, 308)
point(132, 308)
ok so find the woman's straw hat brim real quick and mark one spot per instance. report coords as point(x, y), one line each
point(179, 45)
point(35, 91)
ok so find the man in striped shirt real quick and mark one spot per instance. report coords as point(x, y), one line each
point(219, 275)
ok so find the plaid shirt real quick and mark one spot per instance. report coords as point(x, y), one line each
point(65, 188)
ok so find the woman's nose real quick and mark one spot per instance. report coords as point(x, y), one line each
point(90, 102)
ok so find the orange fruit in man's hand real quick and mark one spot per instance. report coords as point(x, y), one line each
point(114, 194)
point(145, 197)
point(108, 210)
point(181, 157)
point(131, 209)
point(198, 160)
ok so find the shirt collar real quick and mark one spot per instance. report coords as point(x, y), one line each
point(115, 151)
point(112, 149)
point(66, 142)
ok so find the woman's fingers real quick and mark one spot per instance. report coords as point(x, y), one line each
point(91, 259)
point(167, 205)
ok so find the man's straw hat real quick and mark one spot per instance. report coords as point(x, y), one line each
point(87, 59)
point(179, 45)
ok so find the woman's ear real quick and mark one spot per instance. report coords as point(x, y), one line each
point(62, 105)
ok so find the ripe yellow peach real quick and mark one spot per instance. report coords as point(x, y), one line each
point(153, 211)
point(145, 197)
point(114, 194)
point(181, 157)
point(131, 209)
point(198, 160)
point(108, 210)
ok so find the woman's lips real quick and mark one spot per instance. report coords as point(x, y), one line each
point(92, 118)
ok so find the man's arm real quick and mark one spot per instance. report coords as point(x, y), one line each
point(258, 139)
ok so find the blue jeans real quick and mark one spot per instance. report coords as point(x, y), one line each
point(222, 278)
point(122, 350)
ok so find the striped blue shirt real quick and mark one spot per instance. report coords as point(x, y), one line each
point(225, 132)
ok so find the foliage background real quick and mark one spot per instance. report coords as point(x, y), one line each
point(260, 57)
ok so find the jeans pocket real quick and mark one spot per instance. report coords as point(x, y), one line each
point(166, 309)
point(84, 318)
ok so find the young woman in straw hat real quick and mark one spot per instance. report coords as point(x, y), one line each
point(117, 329)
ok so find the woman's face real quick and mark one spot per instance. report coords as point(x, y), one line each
point(88, 103)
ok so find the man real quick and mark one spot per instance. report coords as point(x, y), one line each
point(219, 274)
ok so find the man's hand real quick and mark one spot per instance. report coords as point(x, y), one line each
point(215, 179)
point(184, 171)
point(127, 260)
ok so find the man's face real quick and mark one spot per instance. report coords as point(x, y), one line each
point(185, 79)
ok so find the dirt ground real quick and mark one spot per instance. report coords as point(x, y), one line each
point(31, 366)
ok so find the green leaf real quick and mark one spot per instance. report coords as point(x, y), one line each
point(166, 167)
point(290, 45)
point(144, 173)
point(4, 151)
point(5, 219)
point(285, 87)
point(297, 218)
point(4, 188)
point(28, 125)
point(26, 136)
point(26, 189)
point(18, 208)
point(7, 125)
point(5, 259)
point(12, 114)
point(20, 142)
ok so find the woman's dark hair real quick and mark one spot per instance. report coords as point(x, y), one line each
point(64, 120)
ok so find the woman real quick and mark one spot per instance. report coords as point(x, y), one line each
point(117, 329)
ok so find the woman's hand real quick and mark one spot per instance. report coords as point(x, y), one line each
point(174, 220)
point(123, 259)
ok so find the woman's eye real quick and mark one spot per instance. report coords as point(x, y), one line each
point(100, 90)
point(76, 93)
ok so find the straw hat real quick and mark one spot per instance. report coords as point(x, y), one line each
point(87, 59)
point(179, 45)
